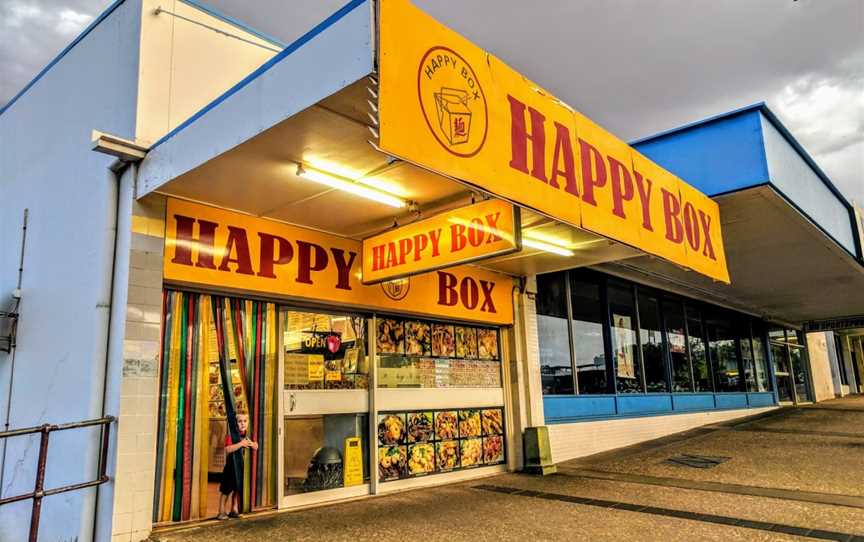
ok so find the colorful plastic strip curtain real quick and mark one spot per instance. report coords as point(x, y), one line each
point(197, 330)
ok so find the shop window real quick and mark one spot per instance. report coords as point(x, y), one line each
point(588, 344)
point(319, 449)
point(628, 372)
point(676, 337)
point(798, 362)
point(724, 353)
point(760, 358)
point(747, 360)
point(325, 351)
point(421, 443)
point(651, 342)
point(841, 362)
point(424, 354)
point(702, 379)
point(556, 369)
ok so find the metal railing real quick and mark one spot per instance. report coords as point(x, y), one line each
point(39, 492)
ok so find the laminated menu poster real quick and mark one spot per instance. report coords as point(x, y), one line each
point(296, 369)
point(316, 367)
point(623, 349)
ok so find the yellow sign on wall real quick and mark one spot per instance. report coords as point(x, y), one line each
point(463, 235)
point(231, 251)
point(451, 107)
point(352, 464)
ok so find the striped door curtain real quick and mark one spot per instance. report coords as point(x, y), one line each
point(200, 330)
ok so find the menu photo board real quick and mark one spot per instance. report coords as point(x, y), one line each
point(424, 442)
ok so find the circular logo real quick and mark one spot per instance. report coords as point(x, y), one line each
point(396, 289)
point(452, 101)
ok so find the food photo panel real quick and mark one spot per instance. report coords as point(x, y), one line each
point(390, 336)
point(391, 429)
point(443, 341)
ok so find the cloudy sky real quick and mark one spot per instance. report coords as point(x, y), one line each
point(635, 66)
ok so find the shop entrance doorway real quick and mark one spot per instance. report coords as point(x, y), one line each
point(790, 366)
point(219, 362)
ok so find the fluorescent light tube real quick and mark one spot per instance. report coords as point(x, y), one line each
point(353, 187)
point(546, 247)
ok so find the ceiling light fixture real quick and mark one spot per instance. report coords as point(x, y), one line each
point(544, 246)
point(348, 185)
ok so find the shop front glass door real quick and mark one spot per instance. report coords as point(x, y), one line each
point(782, 372)
point(325, 403)
point(799, 373)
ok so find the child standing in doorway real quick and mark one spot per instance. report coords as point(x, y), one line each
point(231, 485)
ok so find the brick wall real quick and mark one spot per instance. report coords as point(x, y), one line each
point(136, 439)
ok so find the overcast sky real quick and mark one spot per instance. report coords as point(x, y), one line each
point(635, 66)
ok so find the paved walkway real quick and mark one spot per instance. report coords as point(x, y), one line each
point(793, 474)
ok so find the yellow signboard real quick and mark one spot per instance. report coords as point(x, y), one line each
point(231, 251)
point(463, 235)
point(352, 464)
point(451, 107)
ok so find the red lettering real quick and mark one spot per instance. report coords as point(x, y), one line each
point(643, 186)
point(421, 241)
point(469, 293)
point(476, 235)
point(310, 257)
point(204, 245)
point(377, 257)
point(622, 186)
point(405, 246)
point(591, 177)
point(268, 259)
point(486, 288)
point(672, 210)
point(447, 289)
point(391, 254)
point(705, 220)
point(457, 237)
point(343, 267)
point(237, 242)
point(563, 152)
point(691, 226)
point(492, 227)
point(519, 137)
point(436, 241)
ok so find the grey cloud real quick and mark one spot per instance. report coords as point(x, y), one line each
point(636, 67)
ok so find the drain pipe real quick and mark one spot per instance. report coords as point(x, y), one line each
point(121, 177)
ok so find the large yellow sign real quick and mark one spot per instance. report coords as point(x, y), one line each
point(236, 252)
point(463, 235)
point(451, 107)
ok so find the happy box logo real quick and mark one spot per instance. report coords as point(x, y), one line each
point(452, 101)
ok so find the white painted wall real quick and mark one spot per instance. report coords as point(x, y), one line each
point(823, 368)
point(571, 440)
point(46, 165)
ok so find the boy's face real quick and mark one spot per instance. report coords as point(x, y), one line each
point(242, 422)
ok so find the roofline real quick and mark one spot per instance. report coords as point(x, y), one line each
point(110, 9)
point(299, 42)
point(235, 22)
point(101, 17)
point(763, 108)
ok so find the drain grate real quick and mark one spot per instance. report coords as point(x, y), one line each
point(697, 461)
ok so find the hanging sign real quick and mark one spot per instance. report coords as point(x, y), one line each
point(485, 229)
point(450, 107)
point(232, 251)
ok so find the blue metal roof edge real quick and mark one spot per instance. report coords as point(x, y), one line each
point(700, 122)
point(101, 17)
point(763, 108)
point(235, 22)
point(299, 42)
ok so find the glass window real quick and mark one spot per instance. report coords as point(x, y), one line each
point(724, 353)
point(651, 341)
point(628, 373)
point(794, 337)
point(588, 335)
point(324, 351)
point(782, 371)
point(698, 351)
point(316, 446)
point(556, 369)
point(747, 353)
point(798, 360)
point(841, 362)
point(676, 337)
point(760, 358)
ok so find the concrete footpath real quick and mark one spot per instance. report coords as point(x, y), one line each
point(791, 474)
